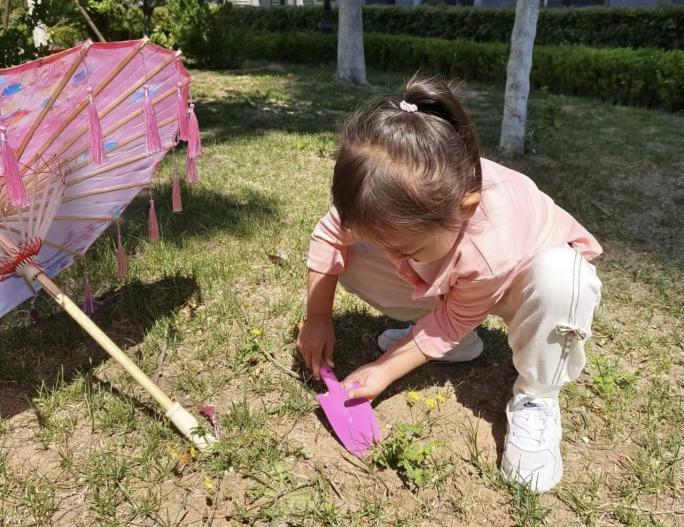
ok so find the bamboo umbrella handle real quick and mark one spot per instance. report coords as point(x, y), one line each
point(179, 416)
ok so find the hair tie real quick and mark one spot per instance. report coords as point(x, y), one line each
point(408, 107)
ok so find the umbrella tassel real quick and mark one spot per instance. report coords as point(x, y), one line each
point(88, 300)
point(152, 223)
point(10, 169)
point(191, 170)
point(194, 141)
point(176, 200)
point(182, 114)
point(121, 259)
point(152, 140)
point(97, 148)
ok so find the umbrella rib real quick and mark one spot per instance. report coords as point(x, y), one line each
point(30, 211)
point(118, 164)
point(107, 168)
point(36, 206)
point(53, 205)
point(46, 193)
point(95, 173)
point(6, 243)
point(132, 138)
point(82, 105)
point(61, 247)
point(85, 218)
point(108, 109)
point(10, 246)
point(107, 190)
point(51, 101)
point(73, 218)
point(122, 122)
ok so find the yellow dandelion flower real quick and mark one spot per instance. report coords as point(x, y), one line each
point(208, 483)
point(173, 453)
point(256, 332)
point(193, 452)
point(412, 397)
point(440, 398)
point(430, 403)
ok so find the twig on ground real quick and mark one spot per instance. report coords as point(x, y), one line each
point(282, 368)
point(280, 495)
point(162, 357)
point(330, 481)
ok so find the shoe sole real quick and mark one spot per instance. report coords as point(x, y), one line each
point(513, 476)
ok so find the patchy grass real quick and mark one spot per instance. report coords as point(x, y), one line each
point(209, 312)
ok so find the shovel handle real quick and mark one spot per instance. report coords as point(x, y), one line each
point(331, 382)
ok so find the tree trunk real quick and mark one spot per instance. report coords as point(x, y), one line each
point(512, 140)
point(326, 21)
point(5, 15)
point(351, 64)
point(40, 36)
point(147, 9)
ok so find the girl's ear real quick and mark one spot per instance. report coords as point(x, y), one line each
point(470, 202)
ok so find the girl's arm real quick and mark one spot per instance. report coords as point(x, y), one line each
point(329, 250)
point(375, 376)
point(316, 337)
point(321, 294)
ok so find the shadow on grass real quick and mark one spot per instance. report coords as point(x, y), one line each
point(225, 120)
point(56, 348)
point(310, 101)
point(204, 213)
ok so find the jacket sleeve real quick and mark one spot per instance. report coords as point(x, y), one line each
point(465, 307)
point(330, 245)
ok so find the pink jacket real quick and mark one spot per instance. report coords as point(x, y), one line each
point(513, 223)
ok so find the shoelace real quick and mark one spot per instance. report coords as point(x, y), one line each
point(530, 420)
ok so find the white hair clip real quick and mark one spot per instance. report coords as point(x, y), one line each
point(408, 107)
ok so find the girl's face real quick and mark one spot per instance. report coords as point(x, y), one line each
point(426, 246)
point(423, 247)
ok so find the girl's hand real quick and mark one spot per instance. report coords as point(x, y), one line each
point(316, 342)
point(372, 377)
point(375, 376)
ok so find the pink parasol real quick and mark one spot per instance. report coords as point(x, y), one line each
point(81, 134)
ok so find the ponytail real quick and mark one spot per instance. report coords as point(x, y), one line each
point(435, 97)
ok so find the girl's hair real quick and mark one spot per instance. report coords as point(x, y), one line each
point(407, 171)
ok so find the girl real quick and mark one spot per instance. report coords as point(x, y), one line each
point(425, 230)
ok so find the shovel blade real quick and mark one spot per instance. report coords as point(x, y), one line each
point(353, 421)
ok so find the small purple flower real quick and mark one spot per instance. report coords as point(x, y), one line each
point(209, 413)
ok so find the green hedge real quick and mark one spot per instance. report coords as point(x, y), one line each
point(603, 27)
point(645, 77)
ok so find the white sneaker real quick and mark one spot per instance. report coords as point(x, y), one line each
point(531, 453)
point(468, 349)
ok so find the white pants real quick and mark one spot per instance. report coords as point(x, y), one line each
point(548, 309)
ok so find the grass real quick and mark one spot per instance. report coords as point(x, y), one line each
point(209, 312)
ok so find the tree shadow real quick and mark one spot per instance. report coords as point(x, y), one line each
point(483, 385)
point(205, 212)
point(311, 101)
point(55, 349)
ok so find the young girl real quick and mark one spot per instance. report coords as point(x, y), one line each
point(425, 230)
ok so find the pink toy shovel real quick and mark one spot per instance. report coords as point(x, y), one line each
point(352, 420)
